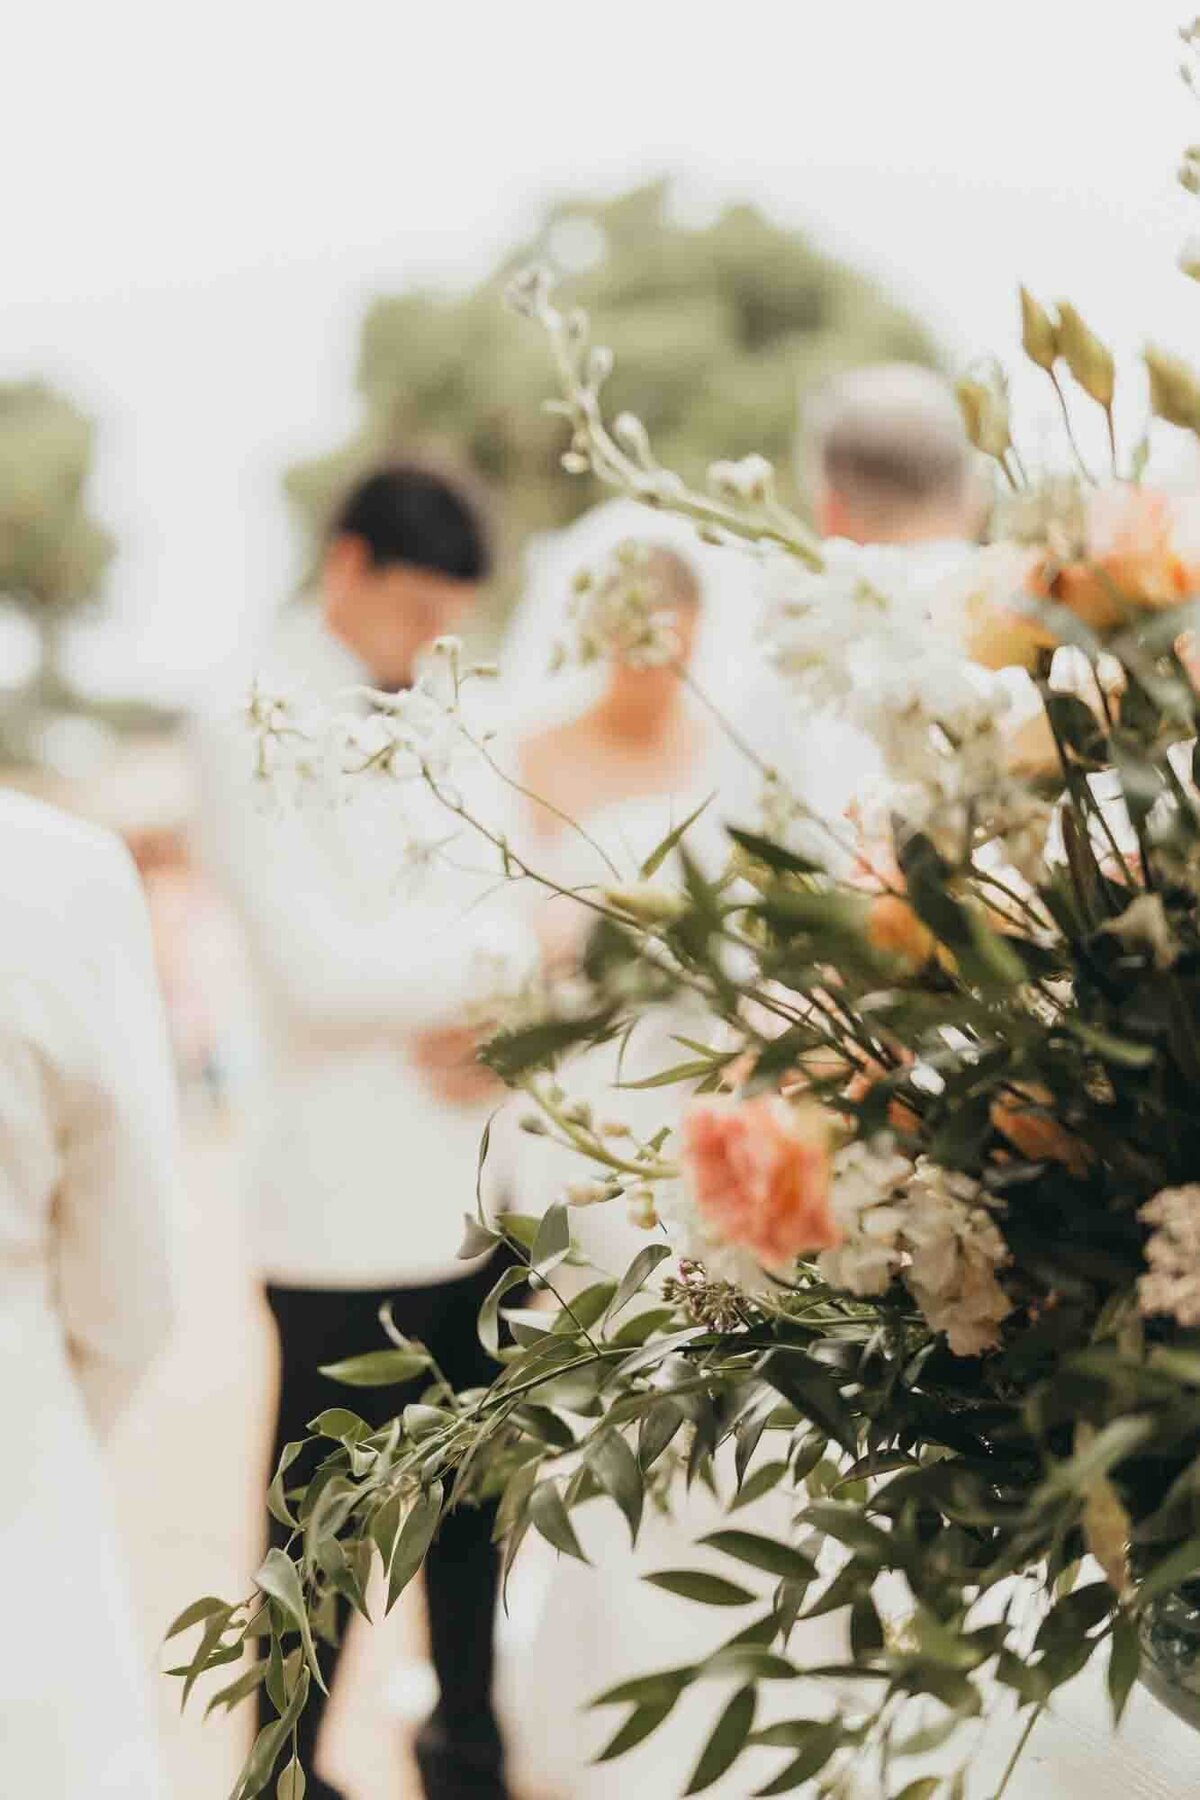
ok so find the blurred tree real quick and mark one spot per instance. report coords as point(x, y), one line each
point(53, 558)
point(717, 331)
point(53, 554)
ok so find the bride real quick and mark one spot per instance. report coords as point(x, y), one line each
point(612, 758)
point(617, 756)
point(86, 1202)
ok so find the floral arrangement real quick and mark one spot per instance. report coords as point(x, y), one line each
point(928, 1252)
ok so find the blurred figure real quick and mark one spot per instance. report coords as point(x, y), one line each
point(87, 1202)
point(626, 753)
point(197, 962)
point(627, 769)
point(890, 471)
point(888, 461)
point(367, 1125)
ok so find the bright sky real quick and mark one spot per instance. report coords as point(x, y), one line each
point(198, 204)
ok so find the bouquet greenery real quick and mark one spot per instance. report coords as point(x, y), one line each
point(928, 1252)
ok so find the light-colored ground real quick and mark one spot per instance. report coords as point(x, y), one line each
point(189, 1463)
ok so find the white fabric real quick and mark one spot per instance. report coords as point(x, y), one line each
point(87, 1202)
point(585, 1629)
point(628, 831)
point(359, 1176)
point(823, 761)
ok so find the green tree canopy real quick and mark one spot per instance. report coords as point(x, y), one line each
point(53, 554)
point(717, 332)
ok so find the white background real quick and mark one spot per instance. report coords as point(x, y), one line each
point(198, 202)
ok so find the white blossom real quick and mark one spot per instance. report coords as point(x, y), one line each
point(617, 611)
point(693, 1242)
point(1171, 1285)
point(859, 637)
point(954, 1252)
point(867, 1178)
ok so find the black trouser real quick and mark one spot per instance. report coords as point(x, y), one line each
point(458, 1748)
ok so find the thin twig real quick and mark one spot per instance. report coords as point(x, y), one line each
point(1019, 1751)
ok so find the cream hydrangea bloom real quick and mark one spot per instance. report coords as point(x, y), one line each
point(954, 1253)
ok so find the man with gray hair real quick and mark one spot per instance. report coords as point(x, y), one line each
point(887, 461)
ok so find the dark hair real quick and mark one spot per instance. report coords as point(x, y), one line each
point(408, 514)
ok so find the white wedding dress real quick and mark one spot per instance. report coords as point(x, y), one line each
point(87, 1173)
point(579, 1630)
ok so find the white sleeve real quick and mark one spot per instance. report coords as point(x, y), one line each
point(341, 969)
point(117, 1207)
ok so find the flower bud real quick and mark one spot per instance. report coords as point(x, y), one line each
point(574, 463)
point(1189, 258)
point(1174, 389)
point(613, 1128)
point(632, 435)
point(534, 1125)
point(984, 407)
point(1189, 169)
point(528, 291)
point(1089, 361)
point(642, 1210)
point(600, 365)
point(648, 905)
point(752, 479)
point(1039, 336)
point(586, 1193)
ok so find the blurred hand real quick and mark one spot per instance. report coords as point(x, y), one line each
point(446, 1058)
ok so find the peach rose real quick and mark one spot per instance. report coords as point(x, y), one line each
point(759, 1173)
point(1022, 1118)
point(1135, 559)
point(995, 633)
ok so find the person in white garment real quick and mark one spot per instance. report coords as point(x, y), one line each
point(87, 1227)
point(611, 757)
point(890, 476)
point(370, 1105)
point(628, 754)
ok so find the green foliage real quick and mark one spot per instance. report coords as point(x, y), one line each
point(716, 330)
point(1030, 1057)
point(53, 554)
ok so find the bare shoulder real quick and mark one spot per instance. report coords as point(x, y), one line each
point(543, 756)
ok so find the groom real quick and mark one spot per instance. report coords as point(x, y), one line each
point(368, 1123)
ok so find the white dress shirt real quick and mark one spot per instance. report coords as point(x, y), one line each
point(87, 1222)
point(360, 1175)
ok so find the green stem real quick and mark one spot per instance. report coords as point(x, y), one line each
point(1019, 1751)
point(1066, 413)
point(1112, 441)
point(527, 793)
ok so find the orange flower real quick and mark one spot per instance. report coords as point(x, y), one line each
point(894, 928)
point(759, 1174)
point(901, 1116)
point(979, 608)
point(1022, 1118)
point(1134, 560)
